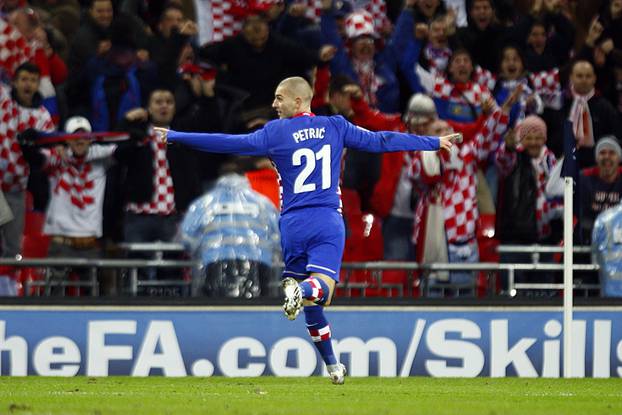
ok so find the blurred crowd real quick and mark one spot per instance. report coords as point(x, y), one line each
point(515, 77)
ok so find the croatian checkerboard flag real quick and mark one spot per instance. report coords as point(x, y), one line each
point(221, 19)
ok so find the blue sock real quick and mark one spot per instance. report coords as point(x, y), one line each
point(314, 289)
point(320, 333)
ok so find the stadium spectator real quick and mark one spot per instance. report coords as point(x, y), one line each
point(28, 23)
point(64, 15)
point(549, 36)
point(255, 61)
point(457, 97)
point(512, 72)
point(161, 181)
point(393, 196)
point(201, 105)
point(447, 213)
point(22, 109)
point(116, 81)
point(312, 254)
point(600, 187)
point(77, 179)
point(599, 50)
point(591, 115)
point(483, 30)
point(432, 39)
point(361, 58)
point(166, 46)
point(427, 10)
point(525, 165)
point(94, 39)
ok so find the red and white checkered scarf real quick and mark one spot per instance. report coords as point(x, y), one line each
point(458, 185)
point(163, 200)
point(73, 177)
point(581, 118)
point(369, 82)
point(546, 209)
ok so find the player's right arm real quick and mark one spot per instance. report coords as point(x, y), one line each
point(253, 144)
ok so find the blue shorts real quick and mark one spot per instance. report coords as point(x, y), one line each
point(312, 241)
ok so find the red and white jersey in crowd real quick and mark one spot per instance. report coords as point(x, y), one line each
point(163, 199)
point(76, 191)
point(546, 209)
point(14, 119)
point(438, 86)
point(545, 84)
point(14, 48)
point(456, 180)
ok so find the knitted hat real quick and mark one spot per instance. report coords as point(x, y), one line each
point(360, 23)
point(608, 142)
point(421, 109)
point(532, 125)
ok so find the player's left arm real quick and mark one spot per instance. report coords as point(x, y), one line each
point(388, 141)
point(253, 144)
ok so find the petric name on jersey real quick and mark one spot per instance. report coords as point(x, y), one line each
point(307, 133)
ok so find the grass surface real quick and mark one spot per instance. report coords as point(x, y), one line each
point(293, 396)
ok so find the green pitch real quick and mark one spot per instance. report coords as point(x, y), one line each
point(274, 396)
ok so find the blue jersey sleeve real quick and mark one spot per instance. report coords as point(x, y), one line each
point(253, 144)
point(385, 141)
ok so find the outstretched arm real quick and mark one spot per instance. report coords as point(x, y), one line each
point(254, 144)
point(388, 141)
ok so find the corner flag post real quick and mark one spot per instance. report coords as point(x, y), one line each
point(570, 174)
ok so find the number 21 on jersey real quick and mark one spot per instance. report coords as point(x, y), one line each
point(307, 157)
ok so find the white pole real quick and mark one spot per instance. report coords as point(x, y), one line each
point(568, 280)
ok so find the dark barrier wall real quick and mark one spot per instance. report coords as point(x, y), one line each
point(256, 341)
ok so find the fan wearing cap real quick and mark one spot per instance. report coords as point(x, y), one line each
point(361, 58)
point(600, 186)
point(525, 164)
point(22, 110)
point(77, 179)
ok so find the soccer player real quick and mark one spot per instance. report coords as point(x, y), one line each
point(306, 151)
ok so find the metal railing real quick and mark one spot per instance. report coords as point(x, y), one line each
point(417, 275)
point(376, 269)
point(426, 269)
point(536, 252)
point(131, 265)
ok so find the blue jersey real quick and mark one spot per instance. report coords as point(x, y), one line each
point(307, 153)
